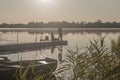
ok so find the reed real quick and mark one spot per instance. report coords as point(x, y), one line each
point(30, 74)
point(96, 61)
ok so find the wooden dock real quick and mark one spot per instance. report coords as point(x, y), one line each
point(9, 48)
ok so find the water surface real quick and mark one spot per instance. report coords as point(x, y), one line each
point(80, 38)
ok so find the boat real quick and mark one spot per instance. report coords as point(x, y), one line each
point(9, 70)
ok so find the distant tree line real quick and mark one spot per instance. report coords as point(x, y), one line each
point(64, 24)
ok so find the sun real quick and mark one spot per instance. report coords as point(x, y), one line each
point(45, 1)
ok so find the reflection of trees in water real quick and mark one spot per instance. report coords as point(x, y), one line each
point(65, 30)
point(79, 31)
point(98, 33)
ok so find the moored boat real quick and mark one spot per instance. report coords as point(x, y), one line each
point(9, 70)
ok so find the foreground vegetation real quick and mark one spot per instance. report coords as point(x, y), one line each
point(97, 61)
point(30, 73)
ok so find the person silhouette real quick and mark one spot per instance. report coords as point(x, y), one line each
point(60, 34)
point(52, 37)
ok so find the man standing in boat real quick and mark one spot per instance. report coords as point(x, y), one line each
point(60, 34)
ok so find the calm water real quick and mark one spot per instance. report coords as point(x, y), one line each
point(79, 37)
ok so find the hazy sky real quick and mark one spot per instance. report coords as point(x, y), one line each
point(24, 11)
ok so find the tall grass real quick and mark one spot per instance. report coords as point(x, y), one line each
point(29, 73)
point(23, 74)
point(97, 61)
